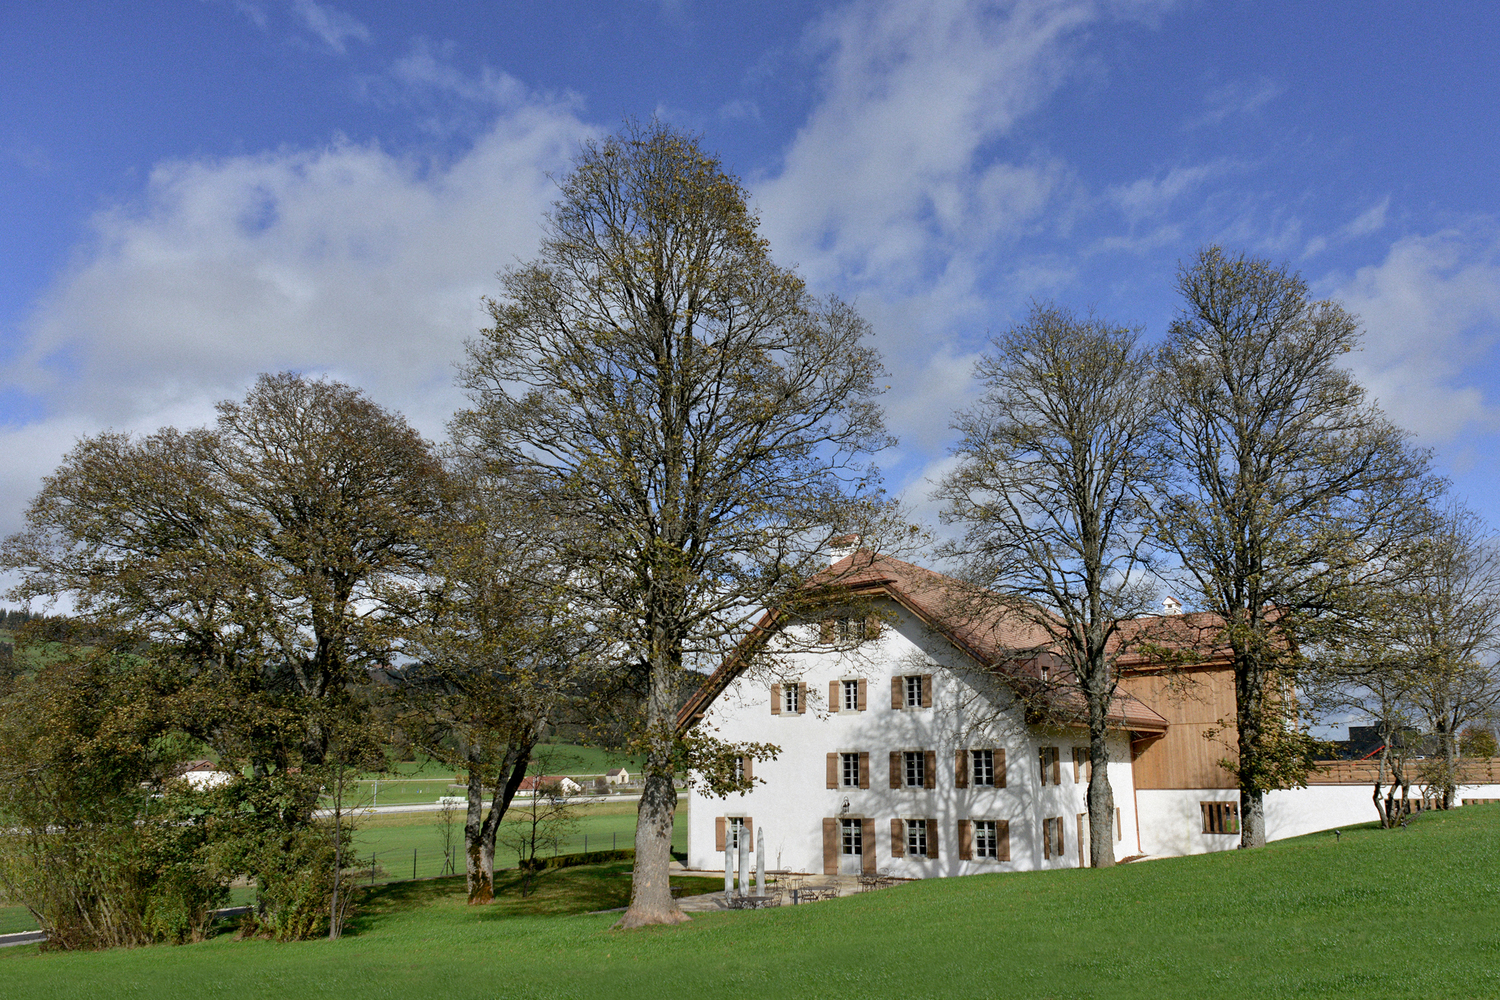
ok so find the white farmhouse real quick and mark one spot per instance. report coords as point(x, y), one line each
point(922, 739)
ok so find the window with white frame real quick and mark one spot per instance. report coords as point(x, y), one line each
point(849, 770)
point(851, 696)
point(1050, 760)
point(790, 694)
point(984, 766)
point(984, 838)
point(914, 691)
point(739, 769)
point(850, 629)
point(916, 838)
point(915, 766)
point(852, 836)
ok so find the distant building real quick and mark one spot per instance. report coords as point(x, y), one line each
point(549, 784)
point(617, 776)
point(203, 774)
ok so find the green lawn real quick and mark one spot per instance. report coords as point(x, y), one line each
point(425, 780)
point(1414, 913)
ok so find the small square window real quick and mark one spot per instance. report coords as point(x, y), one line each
point(984, 766)
point(849, 769)
point(916, 838)
point(984, 838)
point(916, 769)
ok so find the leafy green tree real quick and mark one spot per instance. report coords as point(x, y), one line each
point(695, 423)
point(1292, 493)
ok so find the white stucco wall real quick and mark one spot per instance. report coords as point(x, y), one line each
point(969, 710)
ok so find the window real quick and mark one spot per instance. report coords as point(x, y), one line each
point(916, 773)
point(736, 826)
point(1083, 766)
point(791, 698)
point(916, 838)
point(1221, 817)
point(851, 696)
point(984, 768)
point(984, 838)
point(914, 692)
point(1051, 763)
point(849, 770)
point(852, 836)
point(850, 630)
point(739, 769)
point(1052, 837)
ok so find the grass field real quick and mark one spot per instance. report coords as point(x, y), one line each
point(1414, 913)
point(424, 780)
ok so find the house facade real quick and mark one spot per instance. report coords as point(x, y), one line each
point(914, 741)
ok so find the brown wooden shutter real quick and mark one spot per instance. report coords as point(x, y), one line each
point(867, 845)
point(859, 695)
point(898, 839)
point(825, 631)
point(775, 699)
point(1077, 766)
point(926, 690)
point(1083, 818)
point(895, 768)
point(830, 846)
point(835, 703)
point(749, 768)
point(801, 699)
point(965, 840)
point(1002, 840)
point(750, 833)
point(896, 704)
point(999, 768)
point(961, 769)
point(833, 770)
point(719, 834)
point(872, 626)
point(932, 838)
point(1056, 769)
point(929, 768)
point(864, 769)
point(1062, 838)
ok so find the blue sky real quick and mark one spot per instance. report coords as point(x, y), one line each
point(193, 192)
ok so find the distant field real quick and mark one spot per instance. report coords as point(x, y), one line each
point(1413, 913)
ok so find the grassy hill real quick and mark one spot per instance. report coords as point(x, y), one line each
point(1414, 913)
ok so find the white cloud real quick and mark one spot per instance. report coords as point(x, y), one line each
point(347, 261)
point(1239, 97)
point(1431, 313)
point(1149, 197)
point(333, 26)
point(1371, 220)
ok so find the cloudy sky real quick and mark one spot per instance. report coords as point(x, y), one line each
point(195, 191)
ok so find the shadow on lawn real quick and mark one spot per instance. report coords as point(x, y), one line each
point(556, 892)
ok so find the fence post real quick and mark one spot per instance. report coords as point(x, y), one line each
point(414, 862)
point(585, 843)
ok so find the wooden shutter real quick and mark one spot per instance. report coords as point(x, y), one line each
point(1041, 762)
point(833, 770)
point(961, 769)
point(1119, 825)
point(932, 838)
point(1057, 770)
point(749, 768)
point(835, 701)
point(830, 846)
point(1077, 766)
point(801, 699)
point(1002, 840)
point(896, 704)
point(859, 695)
point(825, 631)
point(872, 626)
point(719, 834)
point(775, 699)
point(749, 833)
point(929, 768)
point(898, 839)
point(999, 768)
point(864, 769)
point(1046, 839)
point(965, 840)
point(867, 845)
point(895, 768)
point(926, 690)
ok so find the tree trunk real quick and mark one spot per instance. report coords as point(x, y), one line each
point(1101, 796)
point(479, 863)
point(651, 899)
point(1252, 818)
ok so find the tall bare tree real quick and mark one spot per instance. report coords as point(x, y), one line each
point(1050, 465)
point(696, 419)
point(1292, 492)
